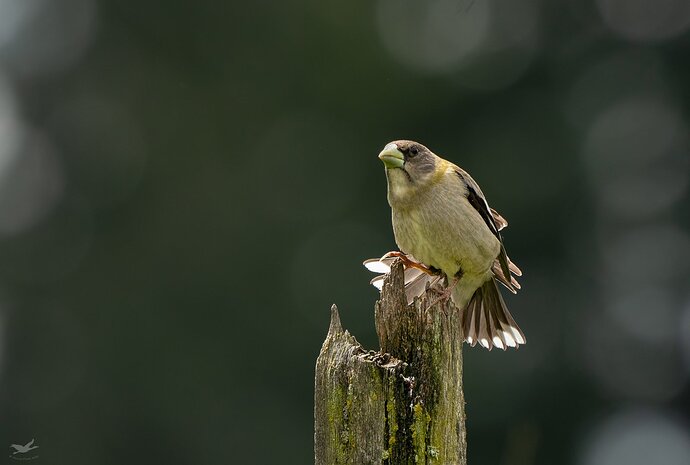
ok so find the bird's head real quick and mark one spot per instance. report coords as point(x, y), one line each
point(410, 167)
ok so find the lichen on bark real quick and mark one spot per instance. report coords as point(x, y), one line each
point(402, 404)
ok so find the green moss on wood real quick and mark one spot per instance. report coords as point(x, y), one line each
point(420, 425)
point(401, 407)
point(391, 418)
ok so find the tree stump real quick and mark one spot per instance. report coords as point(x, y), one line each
point(403, 404)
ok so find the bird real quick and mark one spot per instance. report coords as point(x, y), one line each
point(441, 219)
point(19, 449)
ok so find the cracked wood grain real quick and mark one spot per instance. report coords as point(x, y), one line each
point(403, 404)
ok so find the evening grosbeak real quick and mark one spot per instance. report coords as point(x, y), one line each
point(441, 219)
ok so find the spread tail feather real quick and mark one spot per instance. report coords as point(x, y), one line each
point(486, 320)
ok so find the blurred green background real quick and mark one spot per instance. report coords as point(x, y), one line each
point(186, 188)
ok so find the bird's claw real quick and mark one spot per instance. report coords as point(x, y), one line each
point(446, 294)
point(409, 263)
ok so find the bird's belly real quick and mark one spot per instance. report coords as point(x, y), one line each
point(446, 240)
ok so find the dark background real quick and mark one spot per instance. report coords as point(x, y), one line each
point(186, 188)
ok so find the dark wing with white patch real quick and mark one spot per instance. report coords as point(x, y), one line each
point(495, 223)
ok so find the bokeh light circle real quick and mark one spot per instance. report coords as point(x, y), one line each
point(646, 20)
point(637, 437)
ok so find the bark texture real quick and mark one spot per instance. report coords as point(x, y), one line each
point(401, 405)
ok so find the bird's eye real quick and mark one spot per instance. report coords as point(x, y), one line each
point(413, 151)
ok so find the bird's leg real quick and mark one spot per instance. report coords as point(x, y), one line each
point(448, 291)
point(409, 263)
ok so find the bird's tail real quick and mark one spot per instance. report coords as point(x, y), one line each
point(486, 320)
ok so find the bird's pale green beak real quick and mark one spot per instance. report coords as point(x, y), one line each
point(392, 157)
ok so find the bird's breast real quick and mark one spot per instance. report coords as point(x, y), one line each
point(446, 234)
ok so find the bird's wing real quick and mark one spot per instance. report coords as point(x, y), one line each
point(493, 220)
point(512, 285)
point(499, 220)
point(30, 443)
point(416, 280)
point(477, 200)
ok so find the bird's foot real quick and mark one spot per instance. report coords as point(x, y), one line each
point(446, 293)
point(409, 263)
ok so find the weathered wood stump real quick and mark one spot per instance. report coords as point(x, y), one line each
point(403, 404)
